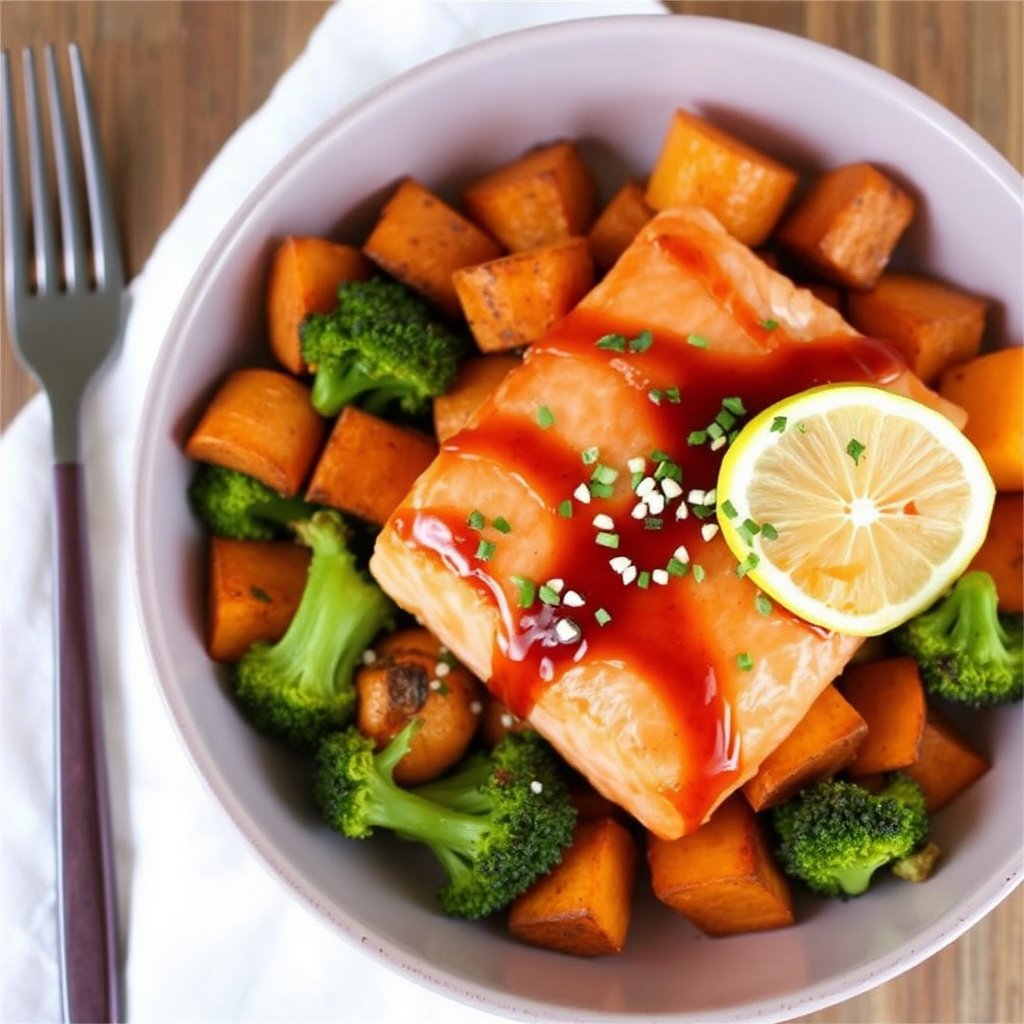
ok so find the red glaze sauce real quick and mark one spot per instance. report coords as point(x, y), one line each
point(680, 665)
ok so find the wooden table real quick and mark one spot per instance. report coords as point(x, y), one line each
point(172, 80)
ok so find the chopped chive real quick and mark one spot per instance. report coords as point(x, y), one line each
point(673, 395)
point(855, 450)
point(607, 539)
point(589, 456)
point(697, 341)
point(502, 525)
point(545, 417)
point(643, 581)
point(715, 430)
point(485, 550)
point(658, 455)
point(698, 572)
point(527, 590)
point(653, 523)
point(770, 325)
point(769, 532)
point(612, 342)
point(603, 474)
point(655, 395)
point(748, 563)
point(735, 405)
point(725, 419)
point(778, 424)
point(697, 437)
point(642, 342)
point(668, 470)
point(676, 567)
point(745, 661)
point(548, 594)
point(729, 509)
point(603, 617)
point(476, 520)
point(600, 490)
point(565, 509)
point(763, 605)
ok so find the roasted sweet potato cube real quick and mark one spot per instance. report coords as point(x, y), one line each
point(542, 197)
point(1002, 553)
point(420, 240)
point(260, 422)
point(617, 224)
point(368, 465)
point(304, 278)
point(253, 589)
point(722, 877)
point(990, 388)
point(701, 165)
point(516, 299)
point(947, 763)
point(584, 904)
point(934, 325)
point(478, 376)
point(824, 742)
point(889, 696)
point(847, 224)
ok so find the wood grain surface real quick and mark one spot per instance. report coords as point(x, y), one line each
point(172, 80)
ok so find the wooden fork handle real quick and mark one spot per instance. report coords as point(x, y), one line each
point(86, 899)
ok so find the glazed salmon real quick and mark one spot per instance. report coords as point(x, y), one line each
point(563, 545)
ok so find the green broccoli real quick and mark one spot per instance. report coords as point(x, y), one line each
point(506, 819)
point(228, 503)
point(302, 687)
point(381, 344)
point(835, 834)
point(966, 651)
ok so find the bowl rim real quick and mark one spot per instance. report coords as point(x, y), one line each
point(836, 988)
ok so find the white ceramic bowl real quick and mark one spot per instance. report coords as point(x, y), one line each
point(612, 83)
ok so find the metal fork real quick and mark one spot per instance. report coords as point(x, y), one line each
point(64, 312)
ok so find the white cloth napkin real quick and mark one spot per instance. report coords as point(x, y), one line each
point(208, 934)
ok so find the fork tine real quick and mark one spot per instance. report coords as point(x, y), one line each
point(45, 244)
point(108, 262)
point(15, 243)
point(72, 229)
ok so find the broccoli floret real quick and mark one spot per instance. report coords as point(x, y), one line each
point(232, 504)
point(835, 834)
point(966, 651)
point(506, 819)
point(381, 344)
point(302, 687)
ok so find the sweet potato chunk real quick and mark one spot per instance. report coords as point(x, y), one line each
point(847, 224)
point(420, 240)
point(722, 877)
point(618, 223)
point(304, 278)
point(478, 376)
point(1002, 553)
point(583, 905)
point(933, 324)
point(513, 301)
point(260, 422)
point(947, 763)
point(824, 742)
point(990, 388)
point(253, 589)
point(889, 696)
point(368, 465)
point(545, 196)
point(702, 165)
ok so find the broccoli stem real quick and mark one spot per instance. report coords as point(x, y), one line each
point(854, 881)
point(334, 388)
point(338, 612)
point(969, 617)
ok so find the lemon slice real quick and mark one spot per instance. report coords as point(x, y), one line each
point(853, 507)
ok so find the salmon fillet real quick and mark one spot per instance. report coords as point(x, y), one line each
point(645, 656)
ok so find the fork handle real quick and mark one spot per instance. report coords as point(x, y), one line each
point(87, 905)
